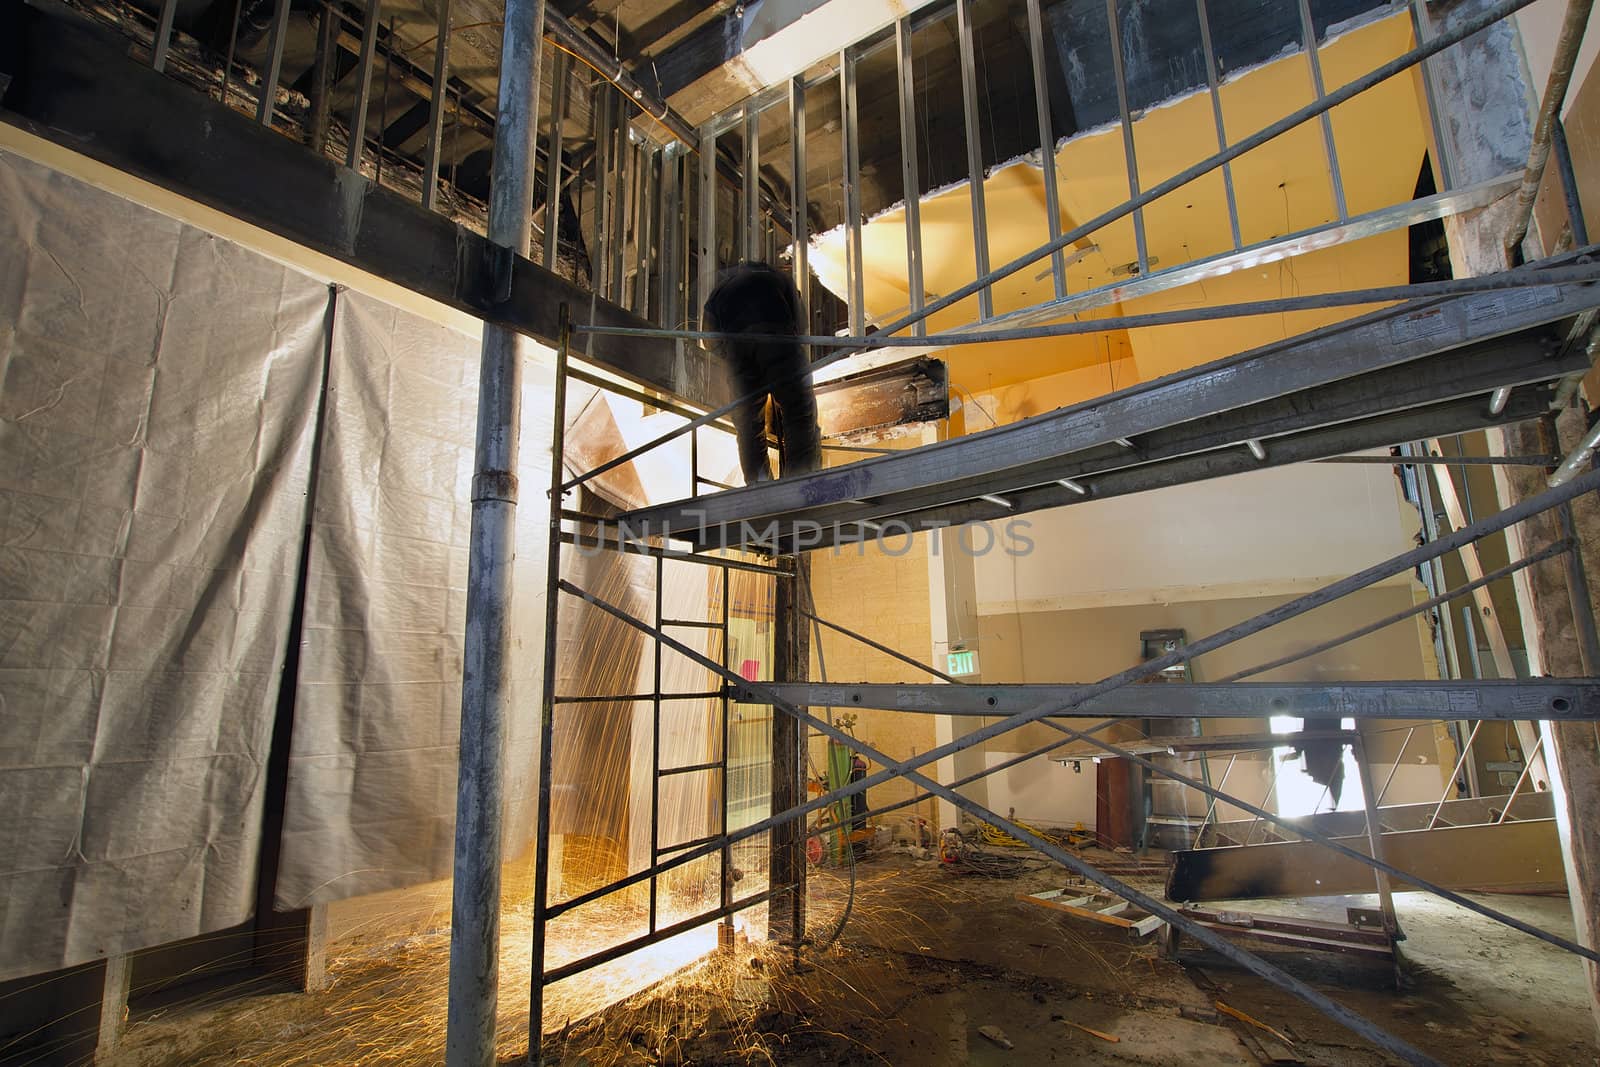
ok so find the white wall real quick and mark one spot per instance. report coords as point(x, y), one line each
point(1540, 27)
point(1278, 531)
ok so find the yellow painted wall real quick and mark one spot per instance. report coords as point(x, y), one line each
point(1280, 188)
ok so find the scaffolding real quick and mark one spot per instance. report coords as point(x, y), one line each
point(1453, 357)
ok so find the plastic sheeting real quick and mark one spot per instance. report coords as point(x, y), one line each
point(157, 397)
point(373, 768)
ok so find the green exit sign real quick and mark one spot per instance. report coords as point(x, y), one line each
point(961, 662)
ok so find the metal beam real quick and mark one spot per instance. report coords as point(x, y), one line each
point(489, 645)
point(1383, 338)
point(363, 95)
point(434, 148)
point(1047, 161)
point(1561, 699)
point(850, 131)
point(1457, 416)
point(269, 82)
point(910, 182)
point(82, 92)
point(1130, 156)
point(975, 170)
point(1468, 371)
point(553, 158)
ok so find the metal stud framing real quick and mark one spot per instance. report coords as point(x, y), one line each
point(850, 130)
point(910, 183)
point(436, 104)
point(975, 170)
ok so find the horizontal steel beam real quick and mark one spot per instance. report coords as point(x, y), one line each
point(1363, 345)
point(1454, 416)
point(1562, 699)
point(75, 85)
point(841, 524)
point(1467, 371)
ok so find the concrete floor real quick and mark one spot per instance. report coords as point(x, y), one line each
point(926, 963)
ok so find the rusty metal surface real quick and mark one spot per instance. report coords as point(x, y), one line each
point(1520, 857)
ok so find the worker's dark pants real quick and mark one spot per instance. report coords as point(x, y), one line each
point(774, 371)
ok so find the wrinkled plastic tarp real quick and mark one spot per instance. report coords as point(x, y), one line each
point(157, 399)
point(373, 770)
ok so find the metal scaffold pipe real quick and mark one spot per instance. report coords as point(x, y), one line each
point(486, 677)
point(1329, 1007)
point(1555, 93)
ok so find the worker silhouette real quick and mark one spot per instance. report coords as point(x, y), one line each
point(754, 298)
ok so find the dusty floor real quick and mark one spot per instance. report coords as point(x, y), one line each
point(926, 964)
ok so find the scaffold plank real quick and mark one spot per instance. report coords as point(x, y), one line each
point(1398, 341)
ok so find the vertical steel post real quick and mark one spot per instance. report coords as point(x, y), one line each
point(726, 896)
point(851, 131)
point(1131, 157)
point(749, 237)
point(622, 154)
point(791, 661)
point(706, 274)
point(1213, 83)
point(910, 182)
point(798, 203)
point(1440, 154)
point(436, 102)
point(227, 59)
point(650, 186)
point(322, 72)
point(547, 704)
point(158, 57)
point(1047, 145)
point(269, 84)
point(383, 109)
point(553, 159)
point(486, 675)
point(1434, 576)
point(1569, 183)
point(667, 222)
point(1308, 32)
point(969, 114)
point(655, 746)
point(600, 120)
point(358, 110)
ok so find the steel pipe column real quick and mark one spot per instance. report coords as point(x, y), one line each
point(485, 685)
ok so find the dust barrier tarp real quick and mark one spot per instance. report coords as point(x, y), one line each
point(373, 770)
point(157, 398)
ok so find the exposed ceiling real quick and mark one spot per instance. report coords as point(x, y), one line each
point(1281, 188)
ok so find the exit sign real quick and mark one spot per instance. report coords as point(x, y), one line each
point(961, 662)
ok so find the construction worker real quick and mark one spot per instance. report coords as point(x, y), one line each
point(754, 298)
